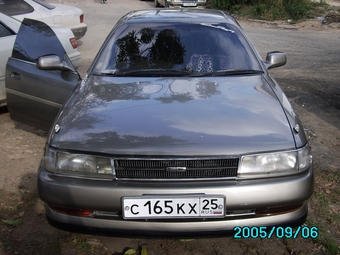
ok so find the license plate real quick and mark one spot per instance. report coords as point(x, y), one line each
point(189, 4)
point(200, 206)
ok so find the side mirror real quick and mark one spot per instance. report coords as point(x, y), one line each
point(53, 62)
point(275, 59)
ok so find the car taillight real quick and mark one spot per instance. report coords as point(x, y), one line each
point(74, 43)
point(81, 18)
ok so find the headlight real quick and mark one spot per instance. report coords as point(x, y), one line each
point(279, 163)
point(77, 164)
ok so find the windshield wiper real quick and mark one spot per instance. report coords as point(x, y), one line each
point(151, 72)
point(228, 72)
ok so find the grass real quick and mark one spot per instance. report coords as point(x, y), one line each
point(332, 247)
point(326, 210)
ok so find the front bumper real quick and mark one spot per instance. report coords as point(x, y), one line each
point(180, 229)
point(104, 198)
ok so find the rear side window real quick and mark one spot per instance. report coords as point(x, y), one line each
point(44, 4)
point(5, 31)
point(15, 7)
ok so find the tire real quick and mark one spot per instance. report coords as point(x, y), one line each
point(166, 5)
point(156, 3)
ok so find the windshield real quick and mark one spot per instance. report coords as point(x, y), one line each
point(171, 49)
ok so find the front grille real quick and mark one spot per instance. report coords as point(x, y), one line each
point(151, 169)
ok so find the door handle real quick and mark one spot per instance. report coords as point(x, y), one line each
point(15, 76)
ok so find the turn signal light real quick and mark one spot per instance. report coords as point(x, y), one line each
point(277, 210)
point(72, 211)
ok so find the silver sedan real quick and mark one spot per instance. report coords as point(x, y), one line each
point(176, 130)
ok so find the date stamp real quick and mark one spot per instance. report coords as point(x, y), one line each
point(276, 232)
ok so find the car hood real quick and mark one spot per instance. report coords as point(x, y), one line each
point(167, 116)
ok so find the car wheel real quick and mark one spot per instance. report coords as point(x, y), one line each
point(166, 5)
point(156, 3)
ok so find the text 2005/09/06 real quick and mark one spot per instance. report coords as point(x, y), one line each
point(278, 232)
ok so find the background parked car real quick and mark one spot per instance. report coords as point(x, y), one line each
point(180, 3)
point(57, 15)
point(8, 32)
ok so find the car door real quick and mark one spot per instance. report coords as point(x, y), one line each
point(35, 94)
point(7, 38)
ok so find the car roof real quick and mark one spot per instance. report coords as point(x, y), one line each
point(185, 15)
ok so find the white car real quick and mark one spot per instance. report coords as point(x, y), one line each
point(57, 15)
point(9, 28)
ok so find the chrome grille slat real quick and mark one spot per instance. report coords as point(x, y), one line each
point(153, 169)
